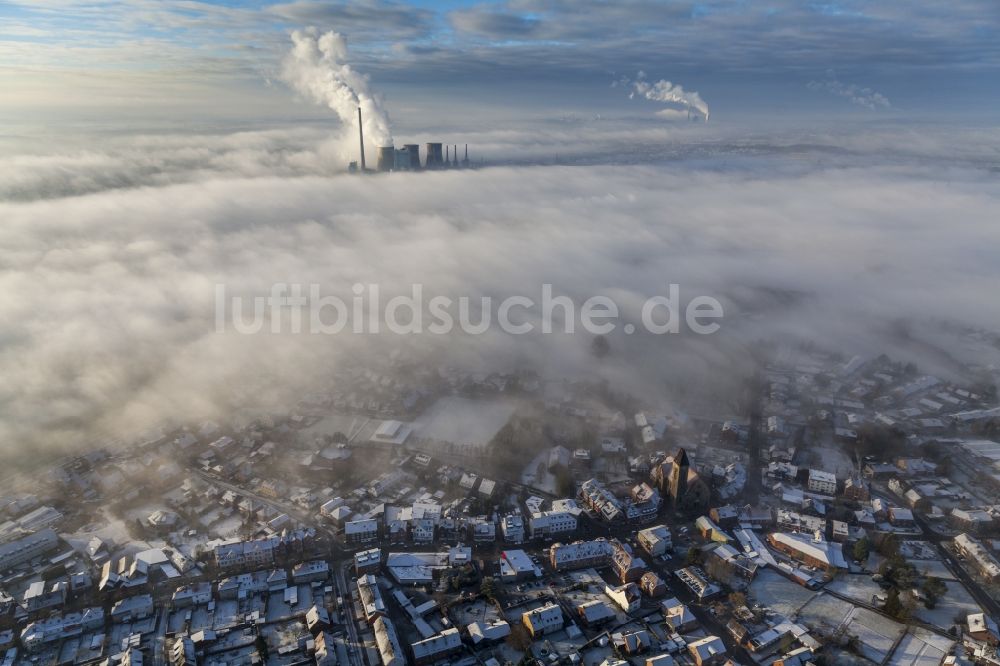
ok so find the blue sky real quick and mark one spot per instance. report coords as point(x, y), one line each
point(121, 57)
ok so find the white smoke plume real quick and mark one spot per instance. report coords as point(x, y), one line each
point(866, 97)
point(317, 68)
point(666, 92)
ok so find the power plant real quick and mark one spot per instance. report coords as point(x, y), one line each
point(407, 158)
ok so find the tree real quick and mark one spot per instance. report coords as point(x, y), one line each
point(565, 485)
point(519, 638)
point(262, 648)
point(693, 556)
point(862, 549)
point(933, 588)
point(488, 588)
point(737, 599)
point(893, 606)
point(889, 546)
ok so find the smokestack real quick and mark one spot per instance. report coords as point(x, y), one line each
point(361, 138)
point(465, 160)
point(447, 157)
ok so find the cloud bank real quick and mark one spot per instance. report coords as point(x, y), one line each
point(108, 277)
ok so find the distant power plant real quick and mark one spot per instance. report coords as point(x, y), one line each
point(407, 158)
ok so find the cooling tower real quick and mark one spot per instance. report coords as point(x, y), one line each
point(435, 158)
point(386, 158)
point(413, 150)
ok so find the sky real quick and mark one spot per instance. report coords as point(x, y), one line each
point(843, 192)
point(155, 61)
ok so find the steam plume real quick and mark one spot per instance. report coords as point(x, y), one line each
point(317, 68)
point(860, 95)
point(667, 92)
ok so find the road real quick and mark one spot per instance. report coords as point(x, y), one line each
point(955, 566)
point(355, 647)
point(342, 559)
point(988, 603)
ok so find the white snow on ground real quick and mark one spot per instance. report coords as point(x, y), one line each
point(544, 481)
point(859, 587)
point(831, 615)
point(918, 550)
point(830, 457)
point(111, 529)
point(957, 601)
point(772, 590)
point(827, 612)
point(920, 648)
point(228, 527)
point(876, 633)
point(935, 568)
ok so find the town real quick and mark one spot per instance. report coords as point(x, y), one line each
point(844, 513)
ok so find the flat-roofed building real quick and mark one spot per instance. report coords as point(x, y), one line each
point(393, 433)
point(551, 523)
point(367, 561)
point(822, 482)
point(515, 565)
point(512, 527)
point(361, 531)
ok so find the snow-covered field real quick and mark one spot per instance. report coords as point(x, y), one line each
point(464, 421)
point(774, 591)
point(877, 633)
point(859, 587)
point(935, 568)
point(956, 602)
point(920, 648)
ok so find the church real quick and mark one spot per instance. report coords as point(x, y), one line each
point(677, 480)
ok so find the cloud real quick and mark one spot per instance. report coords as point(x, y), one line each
point(494, 24)
point(153, 55)
point(108, 294)
point(372, 18)
point(866, 97)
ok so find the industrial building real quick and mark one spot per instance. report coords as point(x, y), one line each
point(389, 158)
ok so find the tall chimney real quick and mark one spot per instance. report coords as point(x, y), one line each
point(361, 139)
